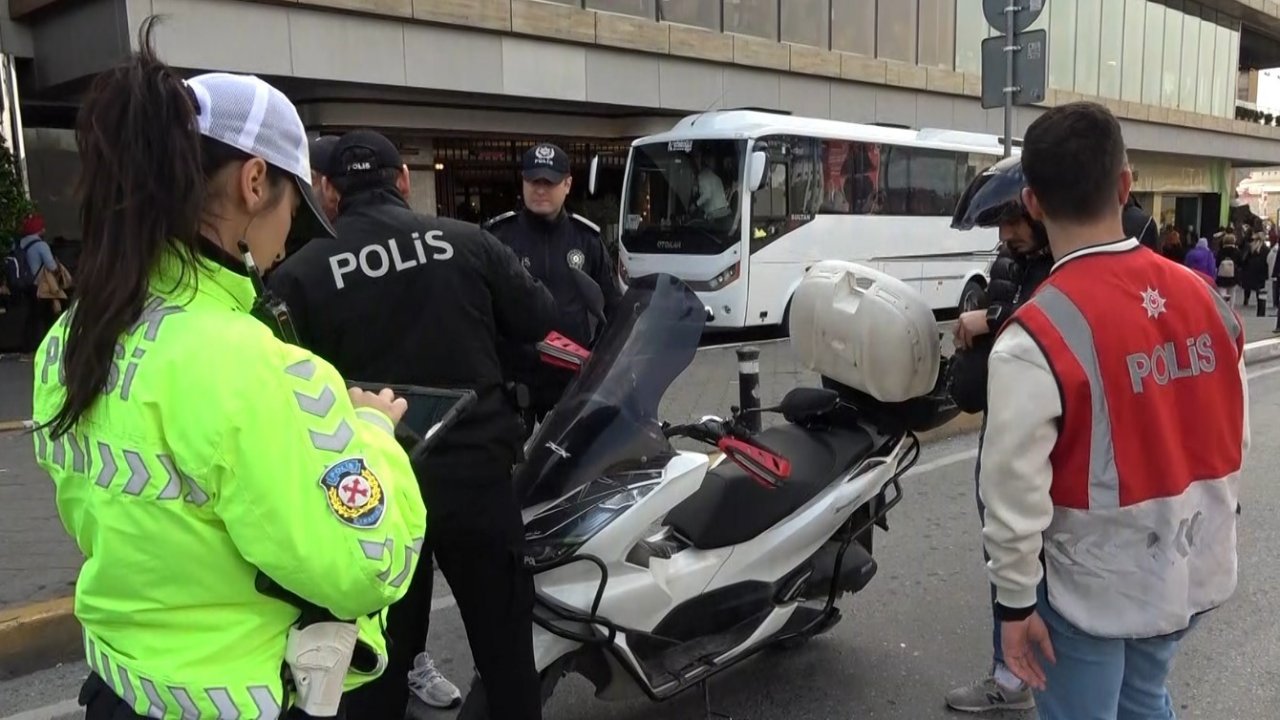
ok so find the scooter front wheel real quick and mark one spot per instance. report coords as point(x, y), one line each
point(476, 705)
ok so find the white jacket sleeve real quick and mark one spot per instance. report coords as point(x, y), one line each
point(1015, 474)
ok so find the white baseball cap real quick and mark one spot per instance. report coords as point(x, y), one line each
point(250, 115)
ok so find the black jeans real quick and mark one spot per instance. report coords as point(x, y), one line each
point(475, 532)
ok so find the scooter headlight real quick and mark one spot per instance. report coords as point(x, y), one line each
point(569, 523)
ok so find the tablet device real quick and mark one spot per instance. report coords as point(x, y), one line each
point(431, 412)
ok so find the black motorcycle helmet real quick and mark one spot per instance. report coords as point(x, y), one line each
point(993, 196)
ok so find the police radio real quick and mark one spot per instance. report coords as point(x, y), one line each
point(267, 308)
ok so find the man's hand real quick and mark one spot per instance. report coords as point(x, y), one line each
point(971, 325)
point(384, 401)
point(1020, 640)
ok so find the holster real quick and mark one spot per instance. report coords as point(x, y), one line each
point(318, 657)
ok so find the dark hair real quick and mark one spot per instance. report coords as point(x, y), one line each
point(142, 188)
point(1072, 157)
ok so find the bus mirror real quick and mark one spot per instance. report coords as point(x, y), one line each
point(591, 177)
point(755, 170)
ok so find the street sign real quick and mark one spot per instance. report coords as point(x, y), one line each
point(994, 12)
point(1030, 69)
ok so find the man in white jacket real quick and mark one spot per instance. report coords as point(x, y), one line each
point(1107, 533)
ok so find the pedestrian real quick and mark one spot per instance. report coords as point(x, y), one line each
point(1171, 247)
point(1253, 276)
point(551, 242)
point(994, 198)
point(1200, 259)
point(1139, 225)
point(196, 457)
point(1109, 534)
point(408, 299)
point(1229, 265)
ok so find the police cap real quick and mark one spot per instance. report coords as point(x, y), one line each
point(545, 162)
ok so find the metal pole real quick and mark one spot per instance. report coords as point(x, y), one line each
point(749, 387)
point(1010, 10)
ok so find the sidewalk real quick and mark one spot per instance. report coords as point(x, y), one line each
point(38, 561)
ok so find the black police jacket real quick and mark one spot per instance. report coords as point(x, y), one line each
point(1013, 280)
point(404, 298)
point(549, 250)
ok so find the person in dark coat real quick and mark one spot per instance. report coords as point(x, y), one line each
point(1253, 279)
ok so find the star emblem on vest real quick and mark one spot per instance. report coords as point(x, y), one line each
point(576, 259)
point(354, 493)
point(1153, 303)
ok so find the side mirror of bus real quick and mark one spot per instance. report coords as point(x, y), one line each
point(755, 170)
point(593, 174)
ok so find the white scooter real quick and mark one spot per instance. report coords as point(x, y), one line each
point(656, 569)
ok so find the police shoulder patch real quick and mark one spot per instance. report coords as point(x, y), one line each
point(354, 493)
point(583, 221)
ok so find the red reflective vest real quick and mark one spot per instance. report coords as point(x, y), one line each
point(1147, 461)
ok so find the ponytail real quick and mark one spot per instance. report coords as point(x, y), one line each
point(141, 190)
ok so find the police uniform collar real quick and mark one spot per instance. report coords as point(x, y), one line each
point(215, 277)
point(540, 221)
point(1115, 246)
point(371, 197)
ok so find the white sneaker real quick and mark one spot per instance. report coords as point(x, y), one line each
point(430, 686)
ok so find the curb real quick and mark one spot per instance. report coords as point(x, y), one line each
point(41, 635)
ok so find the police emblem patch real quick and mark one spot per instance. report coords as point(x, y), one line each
point(354, 493)
point(576, 259)
point(525, 262)
point(545, 152)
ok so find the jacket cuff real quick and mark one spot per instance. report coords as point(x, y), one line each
point(378, 419)
point(1015, 604)
point(997, 315)
point(1004, 613)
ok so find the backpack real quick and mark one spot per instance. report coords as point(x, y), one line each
point(1227, 268)
point(17, 269)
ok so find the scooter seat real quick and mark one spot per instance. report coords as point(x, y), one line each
point(731, 507)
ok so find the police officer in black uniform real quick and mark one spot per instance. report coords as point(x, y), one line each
point(1139, 225)
point(551, 242)
point(403, 298)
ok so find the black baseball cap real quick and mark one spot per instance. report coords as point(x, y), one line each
point(545, 162)
point(322, 153)
point(361, 151)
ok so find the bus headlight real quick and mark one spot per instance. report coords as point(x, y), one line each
point(718, 282)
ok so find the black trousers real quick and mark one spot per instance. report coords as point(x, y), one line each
point(475, 532)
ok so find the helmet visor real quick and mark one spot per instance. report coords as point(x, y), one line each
point(991, 198)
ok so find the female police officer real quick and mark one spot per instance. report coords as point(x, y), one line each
point(192, 451)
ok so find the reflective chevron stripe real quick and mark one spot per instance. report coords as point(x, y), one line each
point(377, 418)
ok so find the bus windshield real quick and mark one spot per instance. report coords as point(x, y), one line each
point(682, 197)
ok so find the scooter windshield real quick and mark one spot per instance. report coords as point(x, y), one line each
point(608, 416)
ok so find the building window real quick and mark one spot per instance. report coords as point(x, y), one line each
point(1208, 48)
point(938, 33)
point(1190, 57)
point(1111, 37)
point(1062, 44)
point(1172, 65)
point(971, 30)
point(896, 30)
point(638, 8)
point(1152, 53)
point(1088, 37)
point(752, 17)
point(806, 22)
point(853, 26)
point(1233, 79)
point(698, 13)
point(1135, 31)
point(1223, 69)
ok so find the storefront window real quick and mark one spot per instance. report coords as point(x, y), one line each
point(1088, 36)
point(896, 31)
point(937, 33)
point(752, 17)
point(1172, 65)
point(971, 30)
point(806, 22)
point(853, 26)
point(1190, 57)
point(1062, 44)
point(1152, 53)
point(1131, 59)
point(638, 8)
point(698, 13)
point(1208, 45)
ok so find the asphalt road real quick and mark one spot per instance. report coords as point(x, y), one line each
point(920, 627)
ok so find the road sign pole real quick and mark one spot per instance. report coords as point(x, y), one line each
point(1010, 46)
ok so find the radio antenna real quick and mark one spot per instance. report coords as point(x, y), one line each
point(723, 91)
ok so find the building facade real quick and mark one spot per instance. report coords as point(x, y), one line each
point(463, 86)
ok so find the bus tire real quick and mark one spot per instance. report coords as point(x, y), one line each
point(973, 297)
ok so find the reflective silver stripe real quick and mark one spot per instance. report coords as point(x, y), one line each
point(105, 671)
point(319, 405)
point(337, 441)
point(410, 550)
point(304, 369)
point(77, 453)
point(156, 706)
point(92, 655)
point(376, 550)
point(189, 709)
point(126, 688)
point(59, 452)
point(1104, 478)
point(221, 699)
point(107, 472)
point(268, 708)
point(139, 475)
point(179, 480)
point(155, 315)
point(42, 445)
point(376, 418)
